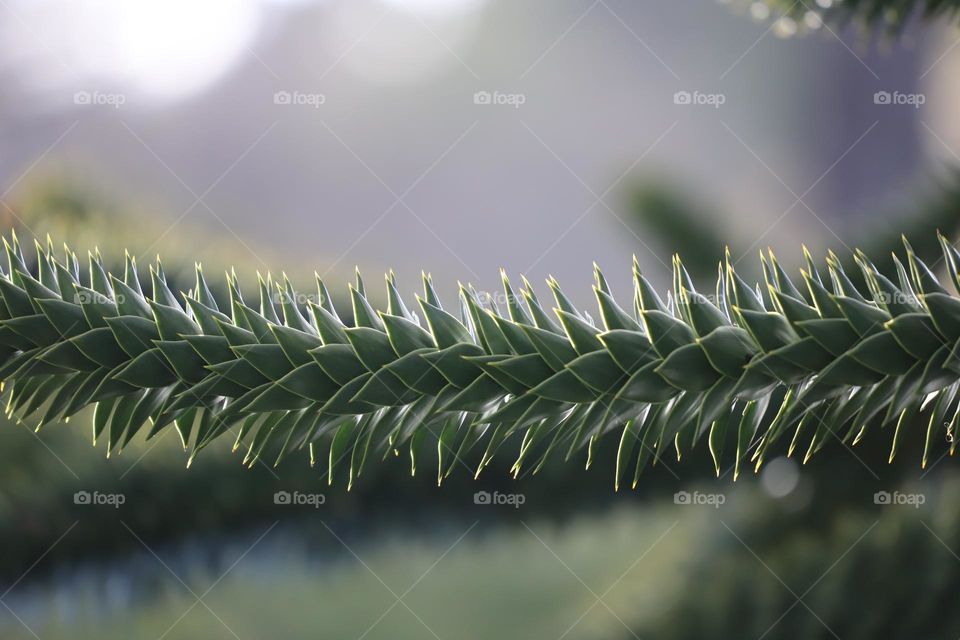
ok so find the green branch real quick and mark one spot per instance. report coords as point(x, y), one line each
point(787, 364)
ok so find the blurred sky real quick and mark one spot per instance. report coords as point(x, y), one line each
point(335, 133)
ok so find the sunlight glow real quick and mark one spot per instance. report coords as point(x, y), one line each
point(165, 50)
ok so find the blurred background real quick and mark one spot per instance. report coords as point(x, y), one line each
point(458, 137)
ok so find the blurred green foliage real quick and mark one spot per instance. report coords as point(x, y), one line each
point(684, 223)
point(679, 222)
point(458, 579)
point(89, 217)
point(662, 571)
point(870, 572)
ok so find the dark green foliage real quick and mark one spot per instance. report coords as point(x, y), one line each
point(862, 572)
point(673, 217)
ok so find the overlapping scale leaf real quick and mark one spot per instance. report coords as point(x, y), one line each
point(748, 371)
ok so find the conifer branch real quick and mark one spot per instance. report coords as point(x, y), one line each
point(745, 370)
